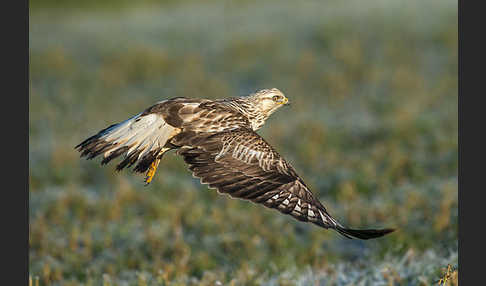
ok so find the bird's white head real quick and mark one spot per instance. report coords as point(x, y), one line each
point(267, 101)
point(263, 103)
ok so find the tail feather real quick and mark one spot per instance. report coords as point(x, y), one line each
point(140, 139)
point(363, 233)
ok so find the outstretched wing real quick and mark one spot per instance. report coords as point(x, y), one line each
point(240, 163)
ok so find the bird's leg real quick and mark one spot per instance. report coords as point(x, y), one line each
point(151, 171)
point(153, 167)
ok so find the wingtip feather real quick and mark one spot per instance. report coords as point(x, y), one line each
point(364, 233)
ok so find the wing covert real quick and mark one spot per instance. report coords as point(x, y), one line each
point(198, 115)
point(243, 165)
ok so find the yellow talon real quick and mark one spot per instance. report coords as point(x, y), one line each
point(151, 171)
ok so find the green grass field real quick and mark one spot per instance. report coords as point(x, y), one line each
point(372, 130)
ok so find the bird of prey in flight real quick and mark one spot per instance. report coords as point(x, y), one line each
point(218, 141)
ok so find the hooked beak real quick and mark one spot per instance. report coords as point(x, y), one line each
point(286, 102)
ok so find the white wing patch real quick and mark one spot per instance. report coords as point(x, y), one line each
point(297, 207)
point(310, 213)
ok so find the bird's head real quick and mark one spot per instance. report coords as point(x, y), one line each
point(261, 104)
point(267, 101)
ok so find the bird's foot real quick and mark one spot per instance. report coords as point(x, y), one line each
point(151, 171)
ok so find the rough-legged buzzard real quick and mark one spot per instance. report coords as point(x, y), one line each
point(218, 140)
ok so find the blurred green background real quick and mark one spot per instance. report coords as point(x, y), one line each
point(372, 130)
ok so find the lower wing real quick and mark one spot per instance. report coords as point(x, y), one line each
point(240, 163)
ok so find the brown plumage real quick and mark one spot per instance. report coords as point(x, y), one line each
point(217, 140)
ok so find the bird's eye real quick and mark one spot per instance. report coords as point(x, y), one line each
point(276, 98)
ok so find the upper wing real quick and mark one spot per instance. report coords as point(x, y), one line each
point(142, 138)
point(241, 164)
point(199, 115)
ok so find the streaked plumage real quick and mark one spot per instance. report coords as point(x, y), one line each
point(218, 141)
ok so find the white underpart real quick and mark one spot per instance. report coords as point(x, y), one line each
point(149, 133)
